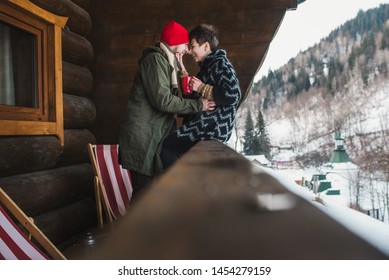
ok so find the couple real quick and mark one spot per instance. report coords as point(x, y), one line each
point(149, 142)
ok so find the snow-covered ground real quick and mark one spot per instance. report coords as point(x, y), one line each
point(336, 206)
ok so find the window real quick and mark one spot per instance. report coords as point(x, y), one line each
point(18, 71)
point(30, 70)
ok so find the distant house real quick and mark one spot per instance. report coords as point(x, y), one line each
point(284, 158)
point(260, 160)
point(339, 161)
point(338, 168)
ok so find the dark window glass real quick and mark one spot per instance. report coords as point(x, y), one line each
point(18, 68)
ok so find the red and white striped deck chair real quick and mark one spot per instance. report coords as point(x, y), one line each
point(14, 243)
point(112, 182)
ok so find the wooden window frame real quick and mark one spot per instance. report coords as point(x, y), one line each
point(47, 118)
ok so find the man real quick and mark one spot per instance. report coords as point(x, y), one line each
point(152, 105)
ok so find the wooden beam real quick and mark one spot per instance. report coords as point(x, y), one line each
point(213, 204)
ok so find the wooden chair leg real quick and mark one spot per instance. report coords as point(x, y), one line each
point(98, 203)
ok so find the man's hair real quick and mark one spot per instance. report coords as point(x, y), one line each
point(205, 33)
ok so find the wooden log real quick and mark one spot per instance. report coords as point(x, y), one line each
point(65, 223)
point(75, 150)
point(76, 79)
point(79, 20)
point(76, 49)
point(79, 112)
point(35, 153)
point(82, 3)
point(184, 11)
point(44, 191)
point(27, 154)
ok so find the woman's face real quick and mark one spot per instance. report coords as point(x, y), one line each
point(198, 52)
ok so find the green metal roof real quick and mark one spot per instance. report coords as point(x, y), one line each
point(324, 185)
point(339, 155)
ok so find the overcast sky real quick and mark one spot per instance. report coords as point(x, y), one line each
point(305, 26)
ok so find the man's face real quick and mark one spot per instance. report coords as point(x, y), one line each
point(181, 49)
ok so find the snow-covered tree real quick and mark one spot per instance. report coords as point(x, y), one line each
point(261, 142)
point(248, 135)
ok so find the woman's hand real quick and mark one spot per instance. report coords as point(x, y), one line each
point(207, 105)
point(180, 61)
point(195, 83)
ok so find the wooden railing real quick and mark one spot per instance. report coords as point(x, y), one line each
point(213, 204)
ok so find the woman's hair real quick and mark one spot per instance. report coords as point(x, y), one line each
point(205, 33)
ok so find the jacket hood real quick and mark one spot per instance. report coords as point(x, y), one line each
point(150, 50)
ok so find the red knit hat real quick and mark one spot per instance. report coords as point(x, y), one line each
point(174, 34)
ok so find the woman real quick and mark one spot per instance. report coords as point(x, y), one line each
point(215, 81)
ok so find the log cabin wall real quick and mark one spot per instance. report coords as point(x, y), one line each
point(54, 184)
point(101, 45)
point(122, 29)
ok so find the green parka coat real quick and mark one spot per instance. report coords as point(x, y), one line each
point(151, 108)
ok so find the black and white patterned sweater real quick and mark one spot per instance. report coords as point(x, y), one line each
point(217, 71)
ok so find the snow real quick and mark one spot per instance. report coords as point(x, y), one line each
point(280, 131)
point(261, 159)
point(285, 155)
point(371, 230)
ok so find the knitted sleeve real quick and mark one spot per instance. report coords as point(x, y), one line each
point(226, 89)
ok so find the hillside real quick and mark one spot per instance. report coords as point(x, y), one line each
point(341, 83)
